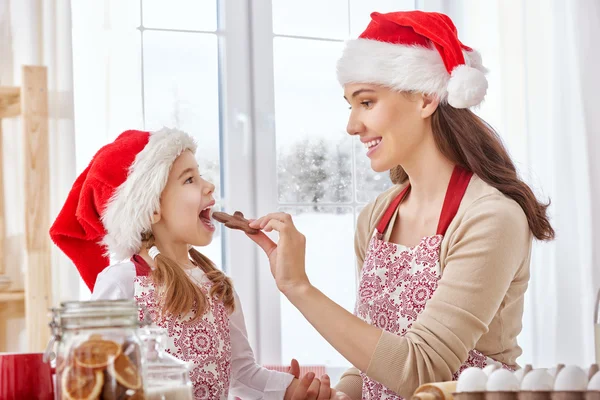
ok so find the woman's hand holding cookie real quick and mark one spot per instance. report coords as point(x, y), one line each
point(287, 257)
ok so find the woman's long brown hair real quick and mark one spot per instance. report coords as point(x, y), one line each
point(178, 294)
point(466, 140)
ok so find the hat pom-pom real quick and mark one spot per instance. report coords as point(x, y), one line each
point(467, 87)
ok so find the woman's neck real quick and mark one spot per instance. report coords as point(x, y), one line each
point(429, 173)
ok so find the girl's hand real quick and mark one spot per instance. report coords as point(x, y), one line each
point(325, 390)
point(287, 257)
point(335, 395)
point(294, 368)
point(310, 388)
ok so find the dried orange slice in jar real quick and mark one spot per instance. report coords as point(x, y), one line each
point(81, 383)
point(96, 353)
point(125, 372)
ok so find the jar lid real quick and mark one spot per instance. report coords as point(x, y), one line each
point(98, 308)
point(101, 312)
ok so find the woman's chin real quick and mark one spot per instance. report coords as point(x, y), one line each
point(381, 166)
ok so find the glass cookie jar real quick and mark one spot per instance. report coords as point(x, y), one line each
point(98, 351)
point(167, 377)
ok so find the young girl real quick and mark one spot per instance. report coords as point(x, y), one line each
point(142, 199)
point(444, 254)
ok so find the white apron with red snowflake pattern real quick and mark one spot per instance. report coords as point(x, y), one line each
point(204, 342)
point(397, 281)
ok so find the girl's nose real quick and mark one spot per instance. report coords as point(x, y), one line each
point(208, 189)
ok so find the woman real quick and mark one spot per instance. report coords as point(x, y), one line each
point(444, 253)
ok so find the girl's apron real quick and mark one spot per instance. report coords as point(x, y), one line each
point(397, 281)
point(204, 342)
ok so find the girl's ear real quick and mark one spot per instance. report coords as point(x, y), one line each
point(155, 217)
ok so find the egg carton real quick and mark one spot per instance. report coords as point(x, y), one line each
point(496, 383)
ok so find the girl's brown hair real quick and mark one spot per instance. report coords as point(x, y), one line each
point(468, 141)
point(178, 294)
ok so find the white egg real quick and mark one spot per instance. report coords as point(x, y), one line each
point(472, 380)
point(490, 368)
point(594, 383)
point(521, 372)
point(555, 370)
point(502, 380)
point(538, 380)
point(592, 370)
point(571, 378)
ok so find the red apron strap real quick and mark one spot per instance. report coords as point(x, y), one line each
point(459, 181)
point(456, 190)
point(141, 266)
point(389, 212)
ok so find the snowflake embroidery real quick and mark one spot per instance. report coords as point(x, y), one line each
point(204, 342)
point(395, 284)
point(419, 288)
point(383, 314)
point(370, 287)
point(427, 252)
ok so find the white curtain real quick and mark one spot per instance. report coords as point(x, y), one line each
point(36, 32)
point(543, 99)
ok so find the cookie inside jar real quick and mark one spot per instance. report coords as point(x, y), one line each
point(100, 353)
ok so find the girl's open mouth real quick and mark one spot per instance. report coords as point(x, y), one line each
point(205, 217)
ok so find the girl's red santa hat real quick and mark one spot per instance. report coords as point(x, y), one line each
point(112, 202)
point(415, 51)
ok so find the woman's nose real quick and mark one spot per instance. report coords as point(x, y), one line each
point(354, 127)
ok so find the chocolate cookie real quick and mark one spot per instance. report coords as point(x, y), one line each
point(235, 221)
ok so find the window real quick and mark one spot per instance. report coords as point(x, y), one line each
point(150, 65)
point(323, 177)
point(255, 83)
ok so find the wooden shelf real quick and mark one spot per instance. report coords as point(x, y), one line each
point(11, 296)
point(29, 104)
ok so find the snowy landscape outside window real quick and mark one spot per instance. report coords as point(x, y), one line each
point(323, 175)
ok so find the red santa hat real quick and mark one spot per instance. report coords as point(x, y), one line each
point(112, 202)
point(415, 51)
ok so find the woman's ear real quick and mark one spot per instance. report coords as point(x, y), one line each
point(429, 103)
